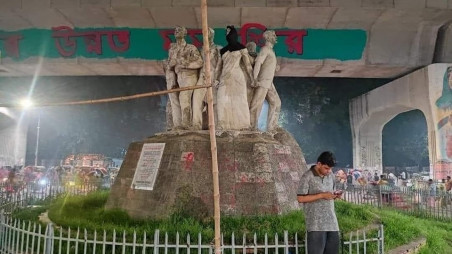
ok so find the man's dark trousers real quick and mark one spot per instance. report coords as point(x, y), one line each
point(323, 242)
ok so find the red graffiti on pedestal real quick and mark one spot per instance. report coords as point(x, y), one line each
point(188, 158)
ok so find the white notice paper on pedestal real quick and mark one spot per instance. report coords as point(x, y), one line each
point(147, 167)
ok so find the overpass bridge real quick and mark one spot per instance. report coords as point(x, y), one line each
point(317, 38)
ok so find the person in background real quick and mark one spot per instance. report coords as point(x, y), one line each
point(403, 175)
point(350, 181)
point(448, 187)
point(431, 193)
point(376, 177)
point(392, 179)
point(448, 184)
point(317, 193)
point(11, 176)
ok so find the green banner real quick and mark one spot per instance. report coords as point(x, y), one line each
point(153, 44)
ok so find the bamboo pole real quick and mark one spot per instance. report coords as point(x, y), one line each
point(106, 100)
point(213, 140)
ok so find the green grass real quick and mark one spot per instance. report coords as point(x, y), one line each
point(401, 228)
point(88, 212)
point(32, 212)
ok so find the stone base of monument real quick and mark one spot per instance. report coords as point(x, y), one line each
point(258, 172)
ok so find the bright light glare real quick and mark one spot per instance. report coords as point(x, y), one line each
point(26, 103)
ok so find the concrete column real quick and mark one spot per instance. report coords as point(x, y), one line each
point(429, 90)
point(13, 141)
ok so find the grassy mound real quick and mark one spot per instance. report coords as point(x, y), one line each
point(88, 212)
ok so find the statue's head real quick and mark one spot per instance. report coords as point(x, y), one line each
point(180, 32)
point(231, 35)
point(270, 36)
point(211, 34)
point(251, 47)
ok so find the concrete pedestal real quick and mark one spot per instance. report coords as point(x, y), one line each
point(259, 174)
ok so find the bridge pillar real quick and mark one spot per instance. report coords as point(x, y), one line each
point(428, 90)
point(13, 138)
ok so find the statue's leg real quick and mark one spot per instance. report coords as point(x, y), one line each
point(174, 100)
point(198, 105)
point(169, 116)
point(249, 94)
point(274, 107)
point(256, 105)
point(185, 98)
point(175, 108)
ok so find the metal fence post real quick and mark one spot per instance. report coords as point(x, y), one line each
point(381, 240)
point(380, 198)
point(2, 227)
point(156, 241)
point(49, 239)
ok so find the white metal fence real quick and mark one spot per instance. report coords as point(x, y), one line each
point(20, 237)
point(26, 237)
point(20, 196)
point(420, 202)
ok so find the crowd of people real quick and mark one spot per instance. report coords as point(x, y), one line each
point(433, 193)
point(15, 178)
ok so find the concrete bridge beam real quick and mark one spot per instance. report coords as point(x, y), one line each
point(401, 35)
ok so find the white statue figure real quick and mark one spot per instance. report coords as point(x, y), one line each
point(199, 95)
point(184, 62)
point(232, 103)
point(251, 47)
point(264, 70)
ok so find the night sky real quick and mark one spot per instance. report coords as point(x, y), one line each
point(314, 110)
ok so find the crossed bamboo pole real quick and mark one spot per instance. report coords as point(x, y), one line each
point(106, 100)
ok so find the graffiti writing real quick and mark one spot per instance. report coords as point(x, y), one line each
point(188, 158)
point(11, 44)
point(248, 32)
point(66, 43)
point(293, 41)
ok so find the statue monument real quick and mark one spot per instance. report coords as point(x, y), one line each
point(251, 47)
point(199, 95)
point(264, 71)
point(232, 101)
point(171, 171)
point(182, 69)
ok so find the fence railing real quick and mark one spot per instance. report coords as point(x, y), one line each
point(27, 237)
point(413, 201)
point(20, 196)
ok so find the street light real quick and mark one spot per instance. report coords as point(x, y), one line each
point(26, 104)
point(37, 139)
